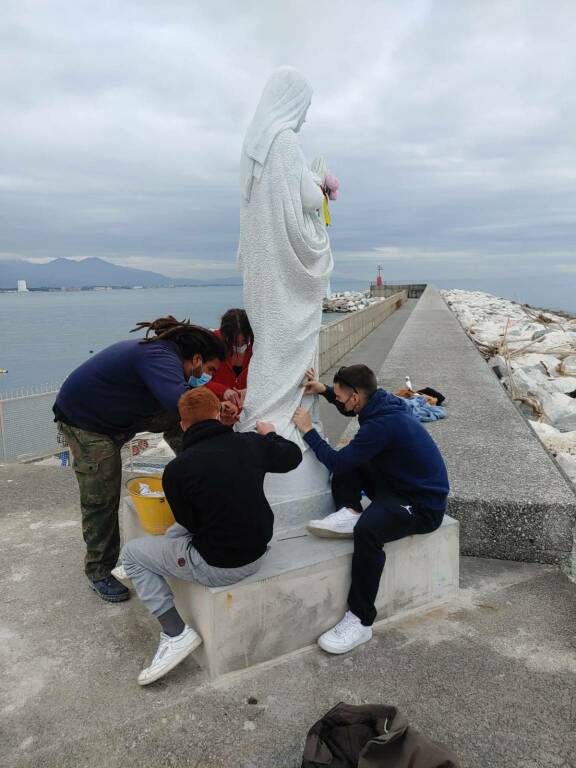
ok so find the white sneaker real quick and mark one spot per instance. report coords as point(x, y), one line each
point(120, 575)
point(171, 651)
point(338, 525)
point(347, 634)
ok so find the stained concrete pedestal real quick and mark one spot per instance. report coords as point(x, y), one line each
point(304, 493)
point(301, 591)
point(312, 500)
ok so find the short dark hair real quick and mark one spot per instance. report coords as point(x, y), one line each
point(233, 323)
point(358, 377)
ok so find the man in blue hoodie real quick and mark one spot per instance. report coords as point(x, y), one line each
point(395, 462)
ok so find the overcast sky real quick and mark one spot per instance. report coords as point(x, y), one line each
point(451, 126)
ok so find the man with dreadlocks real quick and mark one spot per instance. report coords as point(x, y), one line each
point(126, 388)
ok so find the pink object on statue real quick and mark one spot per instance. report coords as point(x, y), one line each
point(332, 185)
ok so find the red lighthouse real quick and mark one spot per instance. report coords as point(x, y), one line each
point(379, 278)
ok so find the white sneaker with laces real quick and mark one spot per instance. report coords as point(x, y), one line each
point(171, 651)
point(120, 575)
point(346, 635)
point(338, 525)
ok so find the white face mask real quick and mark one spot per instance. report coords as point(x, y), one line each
point(240, 350)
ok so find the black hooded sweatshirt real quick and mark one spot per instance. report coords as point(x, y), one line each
point(215, 490)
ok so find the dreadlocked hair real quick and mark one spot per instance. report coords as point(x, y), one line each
point(234, 323)
point(190, 339)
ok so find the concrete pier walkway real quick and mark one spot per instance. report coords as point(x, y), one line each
point(509, 495)
point(493, 675)
point(371, 351)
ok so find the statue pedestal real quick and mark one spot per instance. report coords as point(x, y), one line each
point(301, 495)
point(301, 591)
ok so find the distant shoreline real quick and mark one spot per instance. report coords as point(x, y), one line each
point(560, 312)
point(100, 288)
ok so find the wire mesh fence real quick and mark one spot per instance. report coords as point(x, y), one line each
point(27, 428)
point(28, 433)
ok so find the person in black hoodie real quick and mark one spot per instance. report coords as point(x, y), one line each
point(396, 464)
point(223, 520)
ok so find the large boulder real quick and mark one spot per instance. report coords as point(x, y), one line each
point(553, 439)
point(560, 410)
point(567, 366)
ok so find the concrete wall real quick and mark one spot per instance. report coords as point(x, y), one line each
point(413, 290)
point(339, 337)
point(508, 494)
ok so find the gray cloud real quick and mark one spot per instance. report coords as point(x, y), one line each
point(449, 124)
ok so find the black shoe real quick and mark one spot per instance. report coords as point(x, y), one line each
point(110, 589)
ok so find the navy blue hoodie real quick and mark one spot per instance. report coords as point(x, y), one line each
point(121, 385)
point(397, 448)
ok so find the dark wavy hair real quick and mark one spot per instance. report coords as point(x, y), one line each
point(233, 323)
point(190, 339)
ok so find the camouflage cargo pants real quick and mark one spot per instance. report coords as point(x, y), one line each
point(98, 467)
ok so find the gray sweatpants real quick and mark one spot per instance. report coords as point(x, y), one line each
point(149, 560)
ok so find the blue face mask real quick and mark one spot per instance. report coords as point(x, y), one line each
point(199, 381)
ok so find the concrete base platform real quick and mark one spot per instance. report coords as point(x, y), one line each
point(301, 591)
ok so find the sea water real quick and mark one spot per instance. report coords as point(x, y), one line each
point(45, 335)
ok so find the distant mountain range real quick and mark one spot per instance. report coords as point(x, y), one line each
point(90, 273)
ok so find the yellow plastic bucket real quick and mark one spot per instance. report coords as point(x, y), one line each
point(153, 512)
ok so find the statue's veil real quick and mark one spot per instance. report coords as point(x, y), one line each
point(283, 104)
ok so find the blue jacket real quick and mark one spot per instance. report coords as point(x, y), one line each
point(401, 455)
point(124, 383)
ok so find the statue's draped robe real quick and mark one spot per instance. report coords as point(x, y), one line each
point(285, 260)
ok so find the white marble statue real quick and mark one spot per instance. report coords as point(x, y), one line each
point(284, 254)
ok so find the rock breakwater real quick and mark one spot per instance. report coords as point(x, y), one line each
point(533, 353)
point(349, 301)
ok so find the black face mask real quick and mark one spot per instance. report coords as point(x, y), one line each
point(342, 409)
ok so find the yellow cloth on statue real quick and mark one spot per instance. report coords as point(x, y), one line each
point(326, 211)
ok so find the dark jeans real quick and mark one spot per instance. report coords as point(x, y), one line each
point(389, 517)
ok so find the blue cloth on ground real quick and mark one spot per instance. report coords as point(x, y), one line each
point(423, 411)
